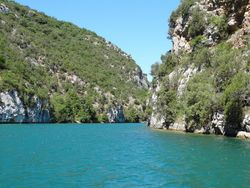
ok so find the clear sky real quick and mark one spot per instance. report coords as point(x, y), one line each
point(138, 27)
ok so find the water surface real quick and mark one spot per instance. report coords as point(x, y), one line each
point(125, 155)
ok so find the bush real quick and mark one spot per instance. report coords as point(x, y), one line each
point(154, 69)
point(166, 104)
point(169, 61)
point(221, 23)
point(199, 101)
point(2, 63)
point(197, 23)
point(132, 115)
point(198, 42)
point(182, 11)
point(201, 57)
point(225, 62)
point(72, 108)
point(232, 101)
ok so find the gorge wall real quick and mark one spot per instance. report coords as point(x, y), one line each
point(54, 71)
point(203, 83)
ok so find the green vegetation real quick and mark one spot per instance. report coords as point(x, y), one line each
point(220, 22)
point(167, 102)
point(222, 84)
point(56, 60)
point(212, 76)
point(233, 99)
point(132, 115)
point(182, 11)
point(197, 23)
point(198, 101)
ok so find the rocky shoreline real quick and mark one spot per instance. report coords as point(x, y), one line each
point(216, 127)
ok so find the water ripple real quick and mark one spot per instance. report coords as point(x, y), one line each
point(119, 156)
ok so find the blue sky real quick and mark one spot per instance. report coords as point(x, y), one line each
point(138, 27)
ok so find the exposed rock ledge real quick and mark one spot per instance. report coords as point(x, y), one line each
point(13, 109)
point(116, 114)
point(216, 126)
point(243, 134)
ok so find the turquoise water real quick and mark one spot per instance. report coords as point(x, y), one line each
point(116, 156)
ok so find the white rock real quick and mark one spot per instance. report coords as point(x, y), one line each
point(243, 134)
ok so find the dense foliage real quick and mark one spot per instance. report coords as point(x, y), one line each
point(206, 79)
point(42, 56)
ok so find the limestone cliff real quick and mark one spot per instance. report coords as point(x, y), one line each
point(12, 109)
point(54, 70)
point(203, 84)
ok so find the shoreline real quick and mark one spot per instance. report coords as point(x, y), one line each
point(239, 137)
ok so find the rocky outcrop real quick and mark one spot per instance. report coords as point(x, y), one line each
point(199, 30)
point(177, 126)
point(186, 76)
point(236, 12)
point(140, 78)
point(13, 109)
point(157, 119)
point(3, 8)
point(243, 135)
point(218, 123)
point(246, 123)
point(116, 114)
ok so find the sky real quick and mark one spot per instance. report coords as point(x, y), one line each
point(138, 27)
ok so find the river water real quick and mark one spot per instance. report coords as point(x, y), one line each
point(124, 155)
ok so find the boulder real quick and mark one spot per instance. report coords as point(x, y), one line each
point(243, 134)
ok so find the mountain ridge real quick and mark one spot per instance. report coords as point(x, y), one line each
point(55, 61)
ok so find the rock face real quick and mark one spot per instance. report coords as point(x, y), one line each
point(13, 110)
point(218, 123)
point(186, 75)
point(157, 119)
point(3, 8)
point(116, 114)
point(140, 78)
point(244, 135)
point(195, 59)
point(237, 12)
point(246, 123)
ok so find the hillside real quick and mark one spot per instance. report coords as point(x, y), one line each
point(54, 71)
point(203, 83)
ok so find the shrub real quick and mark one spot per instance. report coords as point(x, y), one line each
point(199, 101)
point(132, 115)
point(166, 104)
point(232, 101)
point(169, 61)
point(182, 11)
point(201, 57)
point(221, 23)
point(155, 69)
point(197, 23)
point(2, 63)
point(198, 42)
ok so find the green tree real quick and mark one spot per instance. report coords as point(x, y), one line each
point(197, 23)
point(166, 103)
point(199, 101)
point(132, 115)
point(232, 101)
